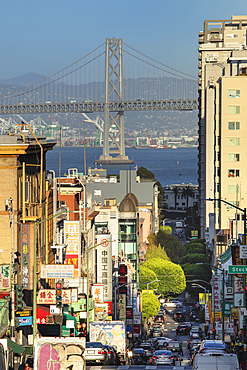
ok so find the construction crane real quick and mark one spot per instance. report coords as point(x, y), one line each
point(151, 140)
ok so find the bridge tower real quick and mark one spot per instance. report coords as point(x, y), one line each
point(113, 121)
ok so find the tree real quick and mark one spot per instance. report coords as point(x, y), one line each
point(146, 276)
point(194, 258)
point(156, 252)
point(187, 192)
point(167, 229)
point(145, 174)
point(171, 276)
point(171, 245)
point(150, 305)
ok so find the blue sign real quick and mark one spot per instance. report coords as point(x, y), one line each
point(134, 304)
point(24, 321)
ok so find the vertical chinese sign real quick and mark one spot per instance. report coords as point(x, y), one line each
point(217, 304)
point(72, 237)
point(104, 264)
point(25, 250)
point(5, 277)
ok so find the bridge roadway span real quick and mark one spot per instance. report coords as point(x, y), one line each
point(90, 107)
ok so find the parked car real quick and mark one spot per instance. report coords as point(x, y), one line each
point(211, 345)
point(179, 316)
point(182, 330)
point(162, 358)
point(95, 352)
point(219, 361)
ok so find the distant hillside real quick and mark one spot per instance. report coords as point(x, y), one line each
point(23, 80)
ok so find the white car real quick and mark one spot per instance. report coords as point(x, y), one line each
point(173, 303)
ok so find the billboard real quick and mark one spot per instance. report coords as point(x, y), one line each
point(98, 293)
point(57, 271)
point(72, 237)
point(104, 264)
point(48, 296)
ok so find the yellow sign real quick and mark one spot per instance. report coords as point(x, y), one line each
point(202, 298)
point(194, 233)
point(234, 313)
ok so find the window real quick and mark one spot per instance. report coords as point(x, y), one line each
point(233, 157)
point(232, 189)
point(233, 203)
point(233, 93)
point(233, 125)
point(232, 141)
point(232, 109)
point(233, 173)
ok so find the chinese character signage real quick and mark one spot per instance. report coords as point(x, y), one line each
point(48, 296)
point(227, 308)
point(104, 264)
point(4, 277)
point(72, 236)
point(217, 303)
point(25, 265)
point(122, 279)
point(57, 271)
point(98, 293)
point(122, 306)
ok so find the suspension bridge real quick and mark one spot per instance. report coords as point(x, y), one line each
point(111, 79)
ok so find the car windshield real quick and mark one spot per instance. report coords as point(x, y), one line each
point(160, 353)
point(94, 345)
point(214, 345)
point(138, 350)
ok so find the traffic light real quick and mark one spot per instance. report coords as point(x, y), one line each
point(59, 294)
point(18, 297)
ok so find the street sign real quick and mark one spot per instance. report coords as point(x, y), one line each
point(24, 313)
point(25, 321)
point(227, 308)
point(235, 269)
point(243, 251)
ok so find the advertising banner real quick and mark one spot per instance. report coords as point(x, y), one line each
point(104, 264)
point(48, 296)
point(108, 333)
point(57, 271)
point(72, 237)
point(25, 263)
point(4, 277)
point(122, 306)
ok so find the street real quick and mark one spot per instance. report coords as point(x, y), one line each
point(169, 330)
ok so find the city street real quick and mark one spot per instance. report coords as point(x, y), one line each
point(169, 330)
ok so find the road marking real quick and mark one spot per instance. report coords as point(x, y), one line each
point(165, 329)
point(168, 323)
point(178, 367)
point(173, 329)
point(150, 367)
point(123, 367)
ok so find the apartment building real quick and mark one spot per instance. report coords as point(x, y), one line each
point(222, 88)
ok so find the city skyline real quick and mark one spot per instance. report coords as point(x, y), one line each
point(46, 37)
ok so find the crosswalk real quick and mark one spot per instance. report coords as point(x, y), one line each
point(140, 367)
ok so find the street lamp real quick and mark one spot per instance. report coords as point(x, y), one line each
point(150, 283)
point(223, 291)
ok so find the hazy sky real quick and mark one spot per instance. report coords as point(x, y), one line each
point(46, 36)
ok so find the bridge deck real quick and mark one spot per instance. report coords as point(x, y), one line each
point(90, 107)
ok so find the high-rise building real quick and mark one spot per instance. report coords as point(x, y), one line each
point(222, 130)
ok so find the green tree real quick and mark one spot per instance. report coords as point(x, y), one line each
point(187, 192)
point(171, 276)
point(145, 174)
point(194, 258)
point(156, 252)
point(171, 245)
point(146, 275)
point(167, 229)
point(150, 305)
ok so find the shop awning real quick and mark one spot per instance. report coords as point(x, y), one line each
point(12, 346)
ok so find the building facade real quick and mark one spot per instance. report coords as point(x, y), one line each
point(220, 157)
